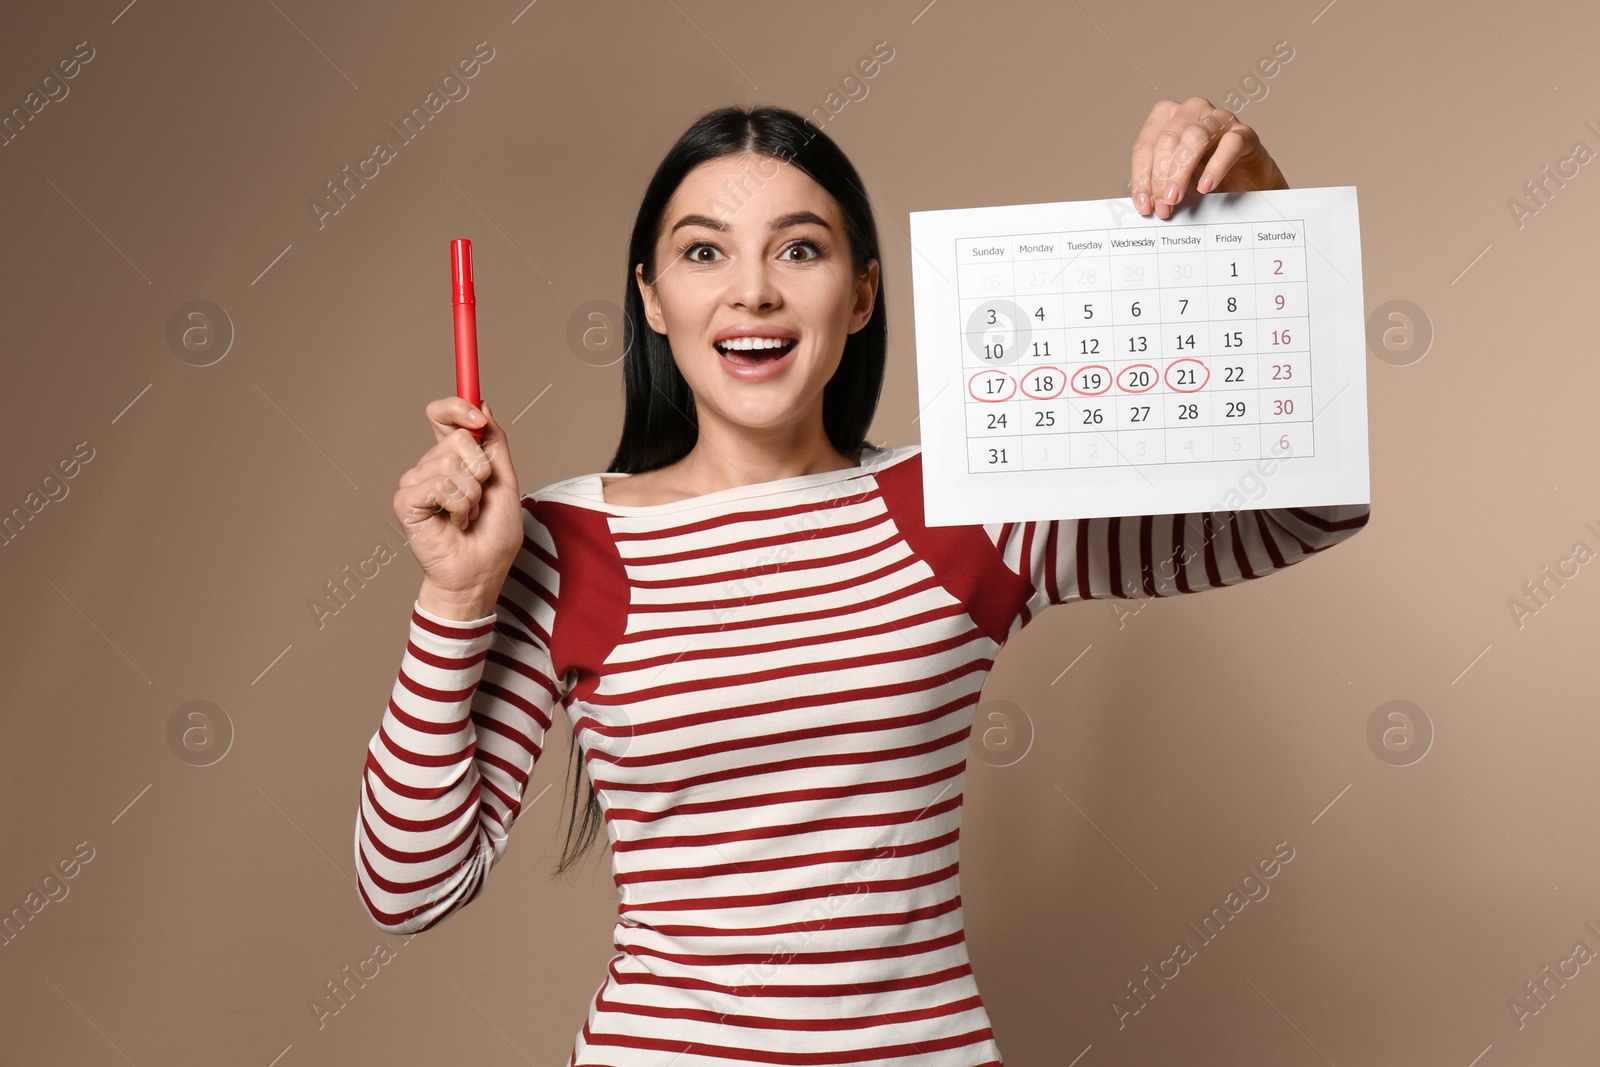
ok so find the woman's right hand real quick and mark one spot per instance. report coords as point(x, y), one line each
point(466, 549)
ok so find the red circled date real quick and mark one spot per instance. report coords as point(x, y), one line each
point(1187, 379)
point(991, 386)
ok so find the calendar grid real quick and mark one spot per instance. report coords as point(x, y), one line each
point(1147, 345)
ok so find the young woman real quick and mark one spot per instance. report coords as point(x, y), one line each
point(769, 662)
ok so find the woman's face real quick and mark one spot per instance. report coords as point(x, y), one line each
point(748, 243)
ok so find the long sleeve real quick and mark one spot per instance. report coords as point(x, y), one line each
point(1066, 560)
point(448, 766)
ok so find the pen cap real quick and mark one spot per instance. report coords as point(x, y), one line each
point(461, 291)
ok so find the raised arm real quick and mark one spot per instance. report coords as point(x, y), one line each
point(447, 769)
point(1066, 560)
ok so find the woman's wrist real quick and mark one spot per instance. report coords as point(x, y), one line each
point(454, 604)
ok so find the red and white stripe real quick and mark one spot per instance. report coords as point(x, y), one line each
point(773, 688)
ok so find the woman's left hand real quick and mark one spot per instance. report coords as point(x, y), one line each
point(1196, 146)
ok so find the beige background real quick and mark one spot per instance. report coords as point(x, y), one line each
point(1185, 742)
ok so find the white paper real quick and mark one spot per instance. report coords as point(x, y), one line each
point(1078, 359)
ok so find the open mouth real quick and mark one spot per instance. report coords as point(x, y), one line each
point(754, 351)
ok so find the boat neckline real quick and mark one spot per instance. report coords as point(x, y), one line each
point(589, 489)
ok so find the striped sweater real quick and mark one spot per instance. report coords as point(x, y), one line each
point(772, 688)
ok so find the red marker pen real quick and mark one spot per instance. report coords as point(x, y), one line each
point(464, 303)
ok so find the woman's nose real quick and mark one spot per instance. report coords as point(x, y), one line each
point(753, 284)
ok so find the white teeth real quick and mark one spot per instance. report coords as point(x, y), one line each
point(747, 344)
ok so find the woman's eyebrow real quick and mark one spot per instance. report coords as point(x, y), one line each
point(795, 218)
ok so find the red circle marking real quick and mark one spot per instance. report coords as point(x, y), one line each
point(1154, 378)
point(1196, 362)
point(972, 381)
point(1092, 366)
point(1044, 396)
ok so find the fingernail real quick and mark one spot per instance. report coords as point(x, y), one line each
point(1141, 202)
point(1172, 193)
point(475, 416)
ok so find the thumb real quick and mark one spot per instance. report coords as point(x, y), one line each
point(496, 448)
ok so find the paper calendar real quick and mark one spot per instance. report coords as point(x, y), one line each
point(1078, 359)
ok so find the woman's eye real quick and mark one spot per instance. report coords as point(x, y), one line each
point(814, 251)
point(693, 252)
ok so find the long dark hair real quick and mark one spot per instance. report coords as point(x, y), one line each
point(659, 426)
